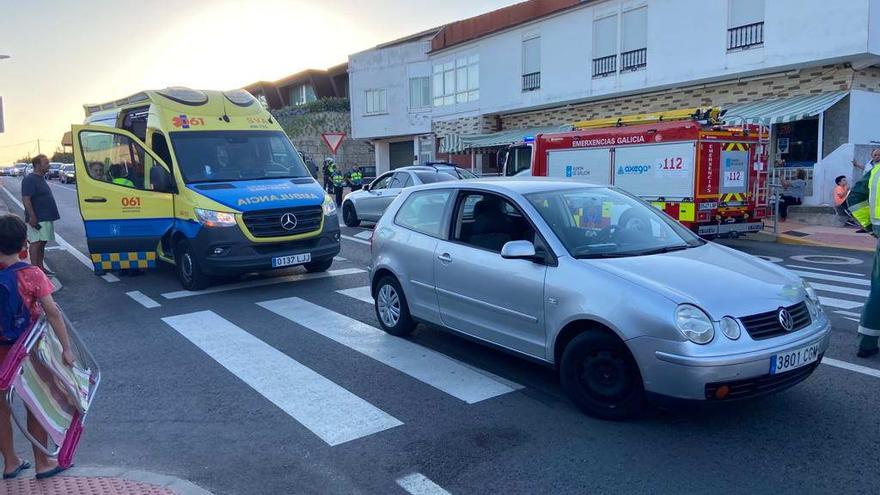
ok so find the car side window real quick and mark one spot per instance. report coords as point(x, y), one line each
point(423, 212)
point(489, 221)
point(113, 158)
point(381, 182)
point(402, 179)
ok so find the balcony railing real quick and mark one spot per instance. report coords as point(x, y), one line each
point(531, 82)
point(744, 37)
point(604, 66)
point(634, 59)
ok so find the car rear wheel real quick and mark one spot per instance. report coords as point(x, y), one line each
point(391, 308)
point(318, 266)
point(188, 270)
point(349, 215)
point(601, 377)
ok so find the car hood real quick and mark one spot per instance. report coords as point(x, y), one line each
point(264, 194)
point(720, 280)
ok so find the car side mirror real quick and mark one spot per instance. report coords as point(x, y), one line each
point(366, 187)
point(519, 250)
point(161, 179)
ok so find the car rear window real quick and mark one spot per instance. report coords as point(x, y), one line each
point(432, 177)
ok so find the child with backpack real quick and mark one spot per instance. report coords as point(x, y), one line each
point(25, 294)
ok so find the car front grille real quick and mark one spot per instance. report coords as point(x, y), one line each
point(765, 384)
point(268, 223)
point(766, 325)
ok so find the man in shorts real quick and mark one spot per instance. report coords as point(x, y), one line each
point(40, 211)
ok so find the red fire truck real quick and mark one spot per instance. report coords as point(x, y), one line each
point(712, 178)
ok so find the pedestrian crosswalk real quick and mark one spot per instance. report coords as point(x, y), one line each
point(330, 411)
point(844, 292)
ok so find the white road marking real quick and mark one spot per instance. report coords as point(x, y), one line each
point(110, 277)
point(833, 278)
point(839, 303)
point(365, 235)
point(329, 411)
point(848, 313)
point(360, 293)
point(419, 484)
point(339, 258)
point(261, 282)
point(857, 320)
point(840, 260)
point(824, 270)
point(355, 239)
point(143, 299)
point(55, 248)
point(841, 290)
point(425, 365)
point(852, 367)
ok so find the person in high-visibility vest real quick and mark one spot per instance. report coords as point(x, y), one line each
point(864, 203)
point(119, 175)
point(355, 178)
point(327, 171)
point(338, 181)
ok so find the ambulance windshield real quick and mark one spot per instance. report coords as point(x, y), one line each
point(223, 156)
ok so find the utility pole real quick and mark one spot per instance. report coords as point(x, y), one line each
point(38, 148)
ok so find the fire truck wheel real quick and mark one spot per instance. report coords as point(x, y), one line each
point(601, 377)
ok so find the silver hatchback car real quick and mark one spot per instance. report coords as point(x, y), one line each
point(624, 301)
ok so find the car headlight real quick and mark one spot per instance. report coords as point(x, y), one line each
point(694, 324)
point(811, 292)
point(329, 205)
point(730, 328)
point(210, 218)
point(812, 301)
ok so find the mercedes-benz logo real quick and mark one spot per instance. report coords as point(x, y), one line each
point(785, 319)
point(288, 221)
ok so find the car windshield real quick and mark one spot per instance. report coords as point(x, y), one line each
point(67, 168)
point(597, 222)
point(432, 177)
point(220, 156)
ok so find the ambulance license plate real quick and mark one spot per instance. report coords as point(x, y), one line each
point(787, 361)
point(296, 259)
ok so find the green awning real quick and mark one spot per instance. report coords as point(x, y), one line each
point(457, 143)
point(783, 110)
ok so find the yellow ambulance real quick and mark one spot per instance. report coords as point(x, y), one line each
point(205, 180)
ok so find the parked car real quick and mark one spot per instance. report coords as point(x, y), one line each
point(6, 171)
point(370, 202)
point(67, 174)
point(624, 301)
point(19, 169)
point(54, 170)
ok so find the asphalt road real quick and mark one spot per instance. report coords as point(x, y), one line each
point(216, 388)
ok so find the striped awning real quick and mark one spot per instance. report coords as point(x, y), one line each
point(457, 143)
point(783, 110)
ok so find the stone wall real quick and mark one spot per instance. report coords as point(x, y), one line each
point(481, 124)
point(305, 128)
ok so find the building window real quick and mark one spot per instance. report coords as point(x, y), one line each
point(302, 94)
point(376, 101)
point(634, 39)
point(746, 27)
point(419, 92)
point(531, 63)
point(457, 81)
point(605, 46)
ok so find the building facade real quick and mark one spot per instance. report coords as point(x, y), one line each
point(548, 63)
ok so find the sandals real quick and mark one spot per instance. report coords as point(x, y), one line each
point(50, 473)
point(21, 467)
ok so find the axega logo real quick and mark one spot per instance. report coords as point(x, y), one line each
point(633, 169)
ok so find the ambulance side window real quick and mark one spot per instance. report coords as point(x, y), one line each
point(113, 158)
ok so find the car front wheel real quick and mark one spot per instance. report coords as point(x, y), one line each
point(349, 215)
point(318, 266)
point(391, 308)
point(601, 377)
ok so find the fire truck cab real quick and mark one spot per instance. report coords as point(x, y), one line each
point(712, 178)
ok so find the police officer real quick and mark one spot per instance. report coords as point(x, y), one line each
point(338, 181)
point(864, 203)
point(327, 171)
point(356, 178)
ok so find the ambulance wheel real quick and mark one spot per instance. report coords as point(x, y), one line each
point(188, 270)
point(349, 215)
point(318, 266)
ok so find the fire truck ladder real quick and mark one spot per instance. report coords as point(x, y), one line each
point(706, 115)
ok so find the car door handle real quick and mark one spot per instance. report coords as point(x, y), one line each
point(95, 200)
point(445, 257)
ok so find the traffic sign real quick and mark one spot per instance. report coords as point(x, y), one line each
point(333, 140)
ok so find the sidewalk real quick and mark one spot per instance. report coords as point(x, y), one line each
point(101, 481)
point(817, 235)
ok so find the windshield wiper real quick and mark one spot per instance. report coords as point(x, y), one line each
point(667, 249)
point(604, 255)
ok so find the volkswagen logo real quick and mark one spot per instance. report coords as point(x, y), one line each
point(288, 221)
point(785, 319)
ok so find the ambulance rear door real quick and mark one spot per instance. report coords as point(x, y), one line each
point(125, 197)
point(591, 165)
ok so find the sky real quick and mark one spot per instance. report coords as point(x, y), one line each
point(66, 53)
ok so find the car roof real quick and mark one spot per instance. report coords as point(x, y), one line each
point(419, 168)
point(515, 185)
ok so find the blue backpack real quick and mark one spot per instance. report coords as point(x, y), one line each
point(15, 318)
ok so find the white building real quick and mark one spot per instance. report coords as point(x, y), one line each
point(545, 63)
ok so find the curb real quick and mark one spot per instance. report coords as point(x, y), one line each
point(178, 485)
point(791, 240)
